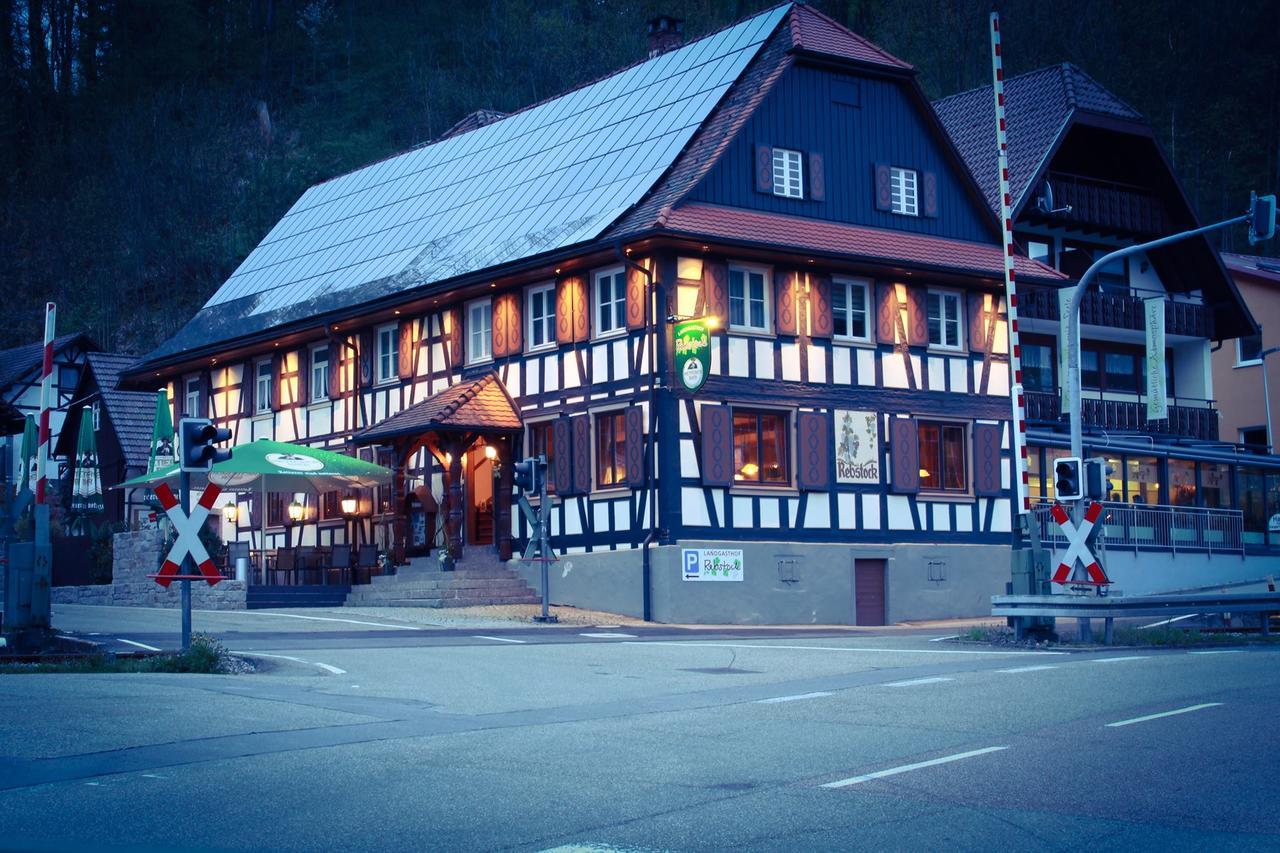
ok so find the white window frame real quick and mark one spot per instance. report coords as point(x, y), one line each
point(97, 415)
point(258, 380)
point(191, 410)
point(618, 326)
point(1241, 361)
point(476, 355)
point(850, 284)
point(904, 191)
point(747, 270)
point(319, 391)
point(788, 173)
point(945, 295)
point(547, 320)
point(387, 362)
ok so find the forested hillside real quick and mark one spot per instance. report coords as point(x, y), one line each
point(146, 147)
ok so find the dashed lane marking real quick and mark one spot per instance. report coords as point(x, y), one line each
point(325, 619)
point(1186, 710)
point(936, 679)
point(1217, 652)
point(941, 639)
point(906, 768)
point(607, 635)
point(1026, 669)
point(326, 667)
point(694, 644)
point(139, 645)
point(1117, 660)
point(498, 639)
point(796, 698)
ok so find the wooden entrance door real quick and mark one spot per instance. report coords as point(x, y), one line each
point(479, 498)
point(868, 592)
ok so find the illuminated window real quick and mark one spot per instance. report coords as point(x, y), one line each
point(611, 449)
point(542, 443)
point(760, 452)
point(193, 398)
point(902, 191)
point(942, 457)
point(788, 173)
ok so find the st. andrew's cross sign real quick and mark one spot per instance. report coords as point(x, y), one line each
point(188, 541)
point(1078, 549)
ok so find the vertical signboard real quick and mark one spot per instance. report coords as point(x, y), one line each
point(1157, 401)
point(1064, 314)
point(693, 352)
point(857, 447)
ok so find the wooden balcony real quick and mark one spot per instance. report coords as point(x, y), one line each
point(1105, 205)
point(1117, 311)
point(1185, 421)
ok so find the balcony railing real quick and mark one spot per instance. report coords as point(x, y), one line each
point(1193, 419)
point(1116, 311)
point(1105, 204)
point(1158, 528)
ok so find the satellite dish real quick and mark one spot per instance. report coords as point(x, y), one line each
point(1044, 203)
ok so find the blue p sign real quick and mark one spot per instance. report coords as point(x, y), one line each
point(691, 564)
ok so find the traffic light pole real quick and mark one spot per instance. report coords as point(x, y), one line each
point(188, 565)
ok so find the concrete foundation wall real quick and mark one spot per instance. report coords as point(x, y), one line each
point(136, 555)
point(784, 583)
point(1153, 573)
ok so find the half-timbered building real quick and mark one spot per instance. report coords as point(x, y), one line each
point(511, 289)
point(1190, 502)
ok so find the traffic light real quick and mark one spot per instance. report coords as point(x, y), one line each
point(526, 474)
point(1067, 481)
point(1097, 483)
point(198, 437)
point(1262, 218)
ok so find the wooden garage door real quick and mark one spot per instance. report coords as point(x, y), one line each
point(868, 592)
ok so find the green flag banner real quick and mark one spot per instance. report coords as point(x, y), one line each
point(162, 435)
point(1157, 400)
point(693, 352)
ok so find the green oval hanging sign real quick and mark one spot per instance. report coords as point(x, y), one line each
point(693, 352)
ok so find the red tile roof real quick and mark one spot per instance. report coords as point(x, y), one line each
point(480, 404)
point(875, 244)
point(814, 32)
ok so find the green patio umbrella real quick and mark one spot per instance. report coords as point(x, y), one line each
point(86, 489)
point(161, 435)
point(30, 441)
point(275, 466)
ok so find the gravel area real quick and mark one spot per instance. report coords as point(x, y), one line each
point(489, 616)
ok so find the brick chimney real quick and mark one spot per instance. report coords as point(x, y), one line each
point(665, 33)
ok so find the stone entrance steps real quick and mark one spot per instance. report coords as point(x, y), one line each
point(478, 579)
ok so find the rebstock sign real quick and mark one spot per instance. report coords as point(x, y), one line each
point(693, 352)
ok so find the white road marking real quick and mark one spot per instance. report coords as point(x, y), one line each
point(1169, 621)
point(796, 698)
point(139, 645)
point(1114, 660)
point(696, 644)
point(1026, 669)
point(937, 679)
point(940, 639)
point(1186, 710)
point(498, 639)
point(894, 771)
point(326, 667)
point(606, 635)
point(606, 626)
point(1217, 652)
point(321, 619)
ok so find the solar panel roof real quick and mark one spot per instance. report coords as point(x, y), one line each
point(549, 176)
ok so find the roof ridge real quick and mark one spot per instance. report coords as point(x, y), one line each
point(889, 57)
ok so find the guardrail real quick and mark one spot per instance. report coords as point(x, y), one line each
point(1022, 608)
point(1158, 527)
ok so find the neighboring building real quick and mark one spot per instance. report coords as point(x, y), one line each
point(20, 370)
point(1086, 177)
point(1238, 366)
point(123, 422)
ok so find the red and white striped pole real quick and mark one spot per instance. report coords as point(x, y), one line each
point(1019, 422)
point(46, 395)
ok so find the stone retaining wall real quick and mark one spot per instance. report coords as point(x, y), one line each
point(134, 556)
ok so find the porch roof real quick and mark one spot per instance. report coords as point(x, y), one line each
point(477, 405)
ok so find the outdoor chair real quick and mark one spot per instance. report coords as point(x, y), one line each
point(308, 562)
point(340, 563)
point(286, 564)
point(367, 561)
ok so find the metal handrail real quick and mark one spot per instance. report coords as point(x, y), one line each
point(1158, 527)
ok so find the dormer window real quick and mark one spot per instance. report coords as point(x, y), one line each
point(788, 173)
point(903, 191)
